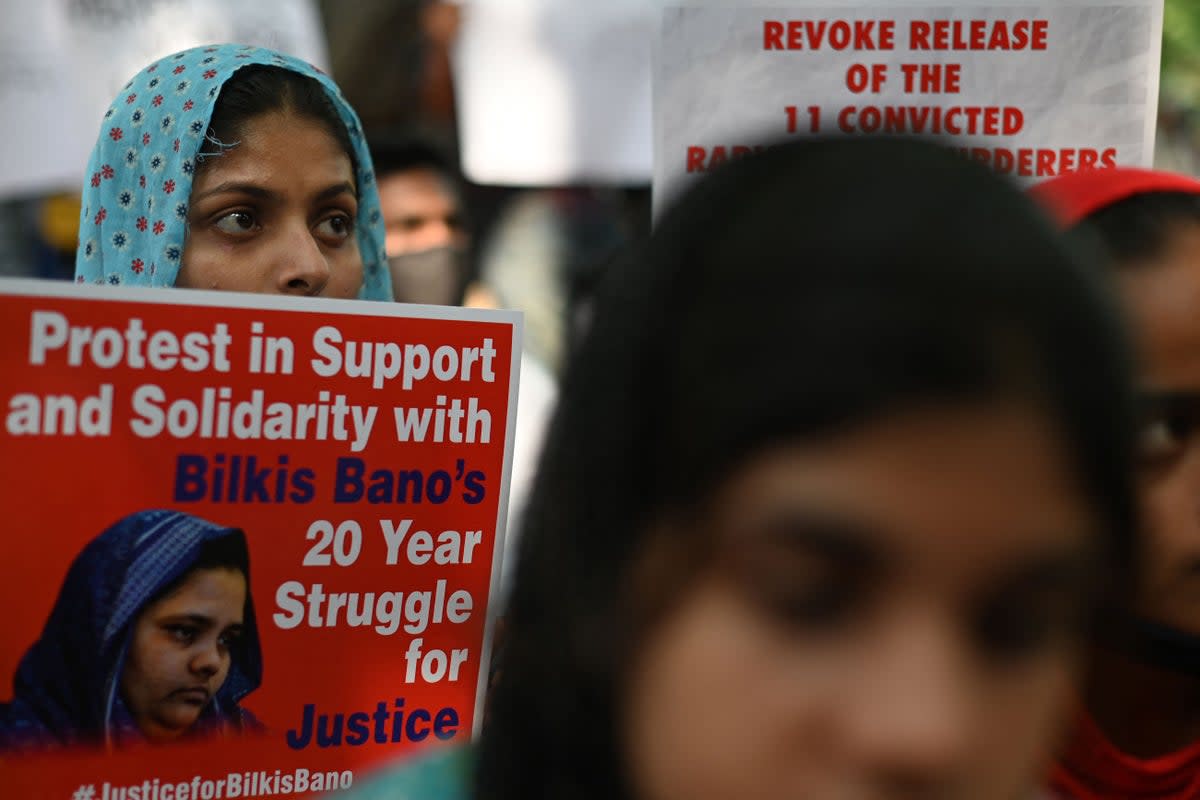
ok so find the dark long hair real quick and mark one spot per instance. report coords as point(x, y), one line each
point(1135, 231)
point(794, 294)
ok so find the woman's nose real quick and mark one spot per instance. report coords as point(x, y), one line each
point(206, 659)
point(911, 722)
point(303, 268)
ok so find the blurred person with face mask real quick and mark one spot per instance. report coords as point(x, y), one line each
point(426, 234)
point(428, 252)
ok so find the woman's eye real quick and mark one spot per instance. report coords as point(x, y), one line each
point(184, 634)
point(1011, 631)
point(807, 599)
point(800, 592)
point(230, 639)
point(336, 227)
point(1008, 634)
point(1162, 436)
point(821, 607)
point(237, 223)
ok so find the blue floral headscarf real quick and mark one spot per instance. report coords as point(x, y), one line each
point(133, 222)
point(67, 687)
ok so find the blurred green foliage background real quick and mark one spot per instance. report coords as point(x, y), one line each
point(1181, 46)
point(1178, 141)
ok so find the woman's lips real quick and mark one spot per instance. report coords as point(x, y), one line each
point(195, 695)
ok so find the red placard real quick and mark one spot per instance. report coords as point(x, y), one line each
point(363, 448)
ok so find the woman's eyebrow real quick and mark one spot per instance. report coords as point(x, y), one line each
point(229, 187)
point(1153, 401)
point(847, 541)
point(329, 192)
point(254, 190)
point(1067, 569)
point(194, 619)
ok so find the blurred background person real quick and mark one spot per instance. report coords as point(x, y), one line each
point(429, 253)
point(424, 217)
point(1138, 733)
point(393, 58)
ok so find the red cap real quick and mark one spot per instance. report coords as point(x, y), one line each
point(1074, 196)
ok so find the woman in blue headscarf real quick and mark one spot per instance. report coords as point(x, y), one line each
point(233, 167)
point(152, 638)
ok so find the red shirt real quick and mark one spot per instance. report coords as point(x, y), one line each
point(1092, 768)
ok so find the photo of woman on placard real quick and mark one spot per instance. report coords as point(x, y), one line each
point(152, 639)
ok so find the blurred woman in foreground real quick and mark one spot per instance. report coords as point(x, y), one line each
point(825, 512)
point(831, 491)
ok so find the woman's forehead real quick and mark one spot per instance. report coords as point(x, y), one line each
point(268, 146)
point(942, 485)
point(207, 591)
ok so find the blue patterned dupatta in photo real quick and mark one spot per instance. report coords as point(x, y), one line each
point(66, 688)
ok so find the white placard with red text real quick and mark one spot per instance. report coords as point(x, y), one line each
point(63, 61)
point(1033, 90)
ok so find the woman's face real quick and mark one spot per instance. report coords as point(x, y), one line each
point(1163, 298)
point(179, 654)
point(895, 612)
point(275, 214)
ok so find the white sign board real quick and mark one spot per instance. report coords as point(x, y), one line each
point(63, 61)
point(1032, 90)
point(553, 92)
